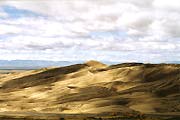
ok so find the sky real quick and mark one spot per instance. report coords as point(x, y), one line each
point(104, 30)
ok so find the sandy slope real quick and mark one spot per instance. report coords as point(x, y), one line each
point(94, 87)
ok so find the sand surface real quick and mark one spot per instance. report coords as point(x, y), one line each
point(94, 88)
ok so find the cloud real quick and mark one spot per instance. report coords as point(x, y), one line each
point(167, 5)
point(143, 29)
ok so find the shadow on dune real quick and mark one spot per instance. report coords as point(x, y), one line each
point(45, 77)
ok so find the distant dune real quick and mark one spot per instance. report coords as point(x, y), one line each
point(94, 88)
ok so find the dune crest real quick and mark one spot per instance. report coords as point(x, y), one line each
point(96, 64)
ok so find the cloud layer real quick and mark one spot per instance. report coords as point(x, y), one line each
point(108, 30)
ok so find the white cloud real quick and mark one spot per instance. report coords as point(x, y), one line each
point(8, 29)
point(167, 4)
point(145, 25)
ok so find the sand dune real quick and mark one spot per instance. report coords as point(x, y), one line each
point(94, 88)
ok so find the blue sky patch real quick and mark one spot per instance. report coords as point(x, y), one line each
point(114, 33)
point(14, 12)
